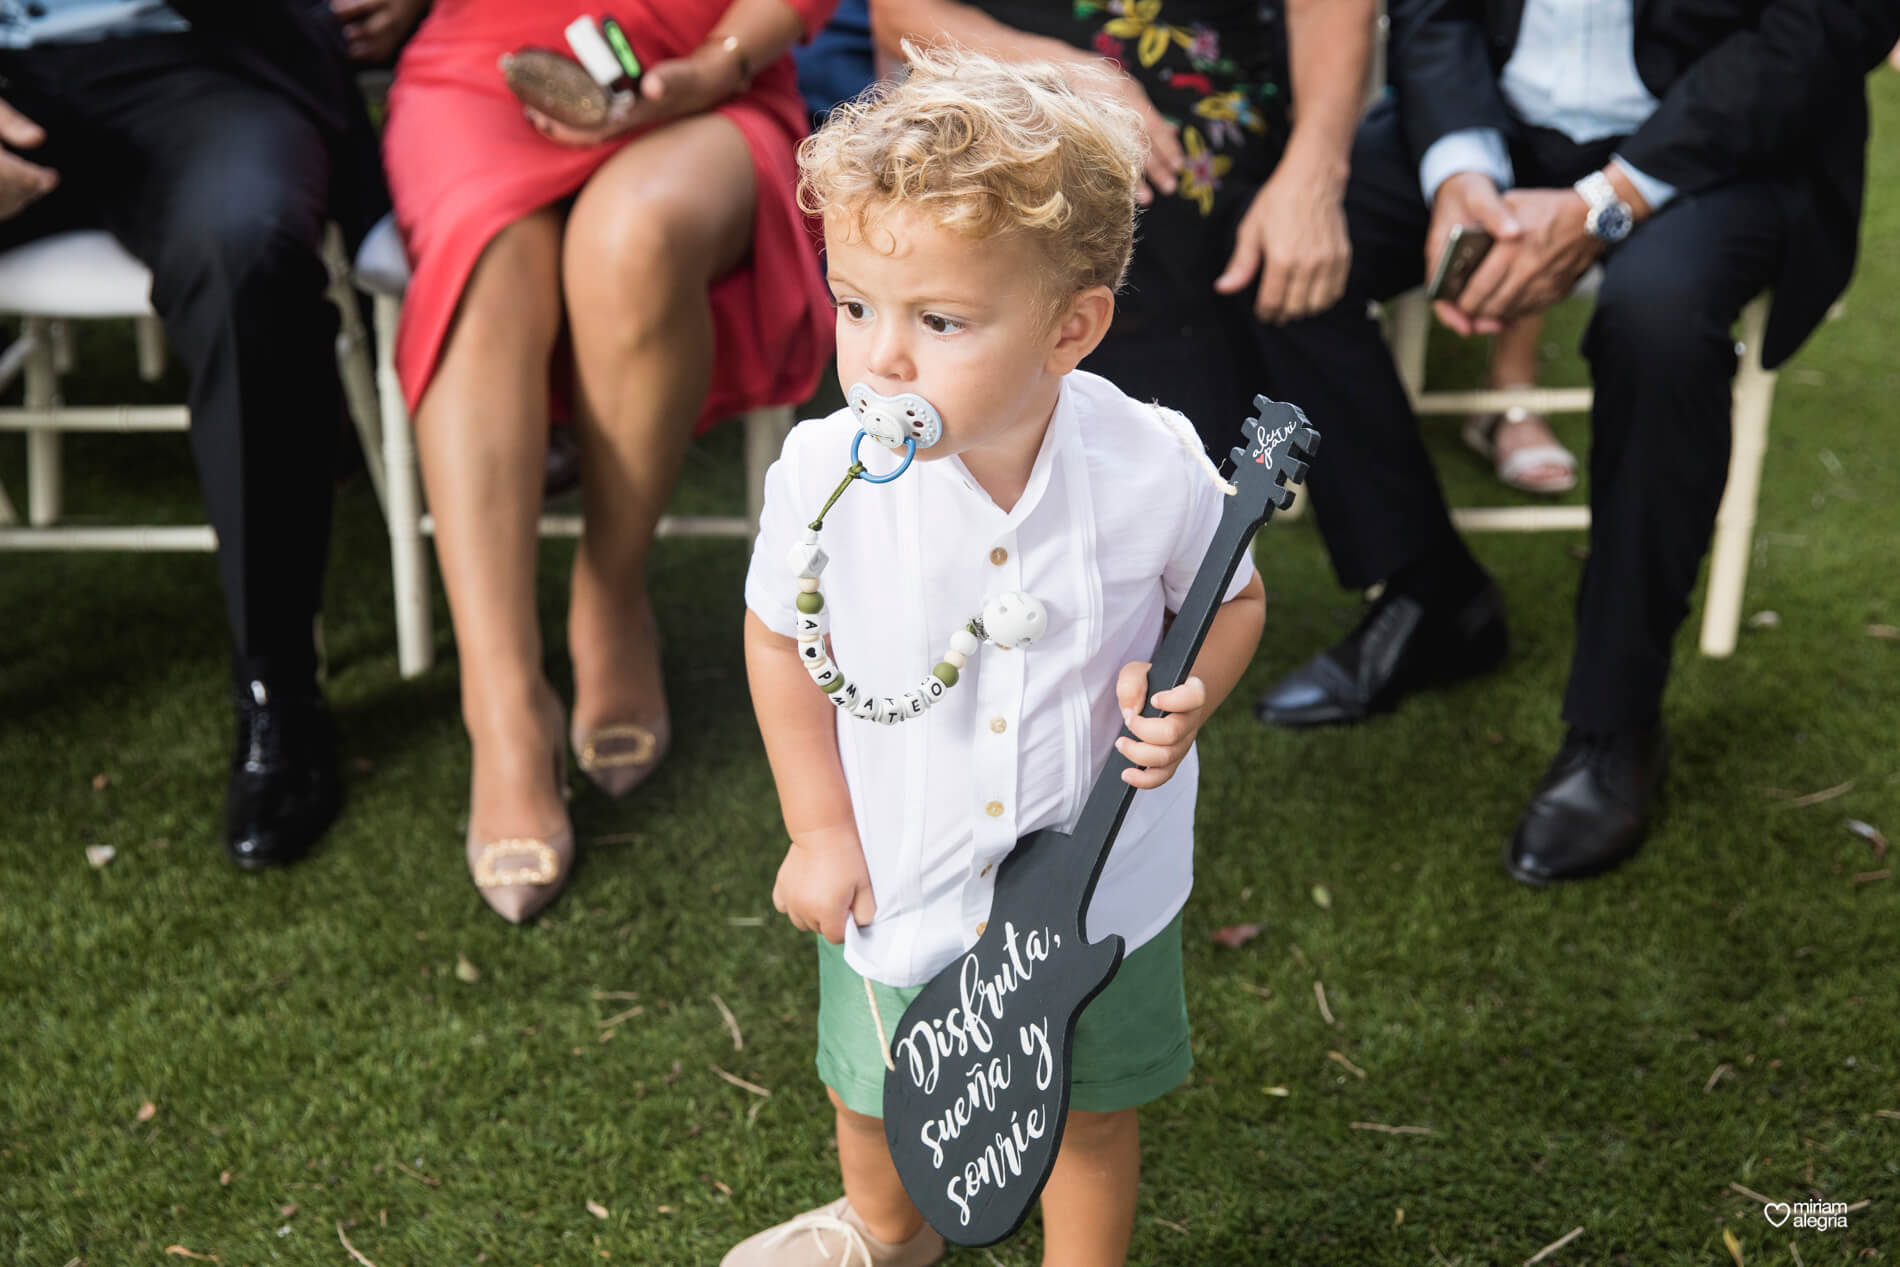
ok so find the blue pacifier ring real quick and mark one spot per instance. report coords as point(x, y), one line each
point(910, 452)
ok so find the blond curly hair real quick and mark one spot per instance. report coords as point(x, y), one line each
point(987, 148)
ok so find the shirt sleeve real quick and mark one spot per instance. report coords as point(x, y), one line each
point(769, 584)
point(1470, 150)
point(1204, 503)
point(1655, 192)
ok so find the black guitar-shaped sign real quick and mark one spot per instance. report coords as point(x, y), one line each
point(975, 1107)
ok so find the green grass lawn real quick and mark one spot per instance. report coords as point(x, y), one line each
point(1617, 1056)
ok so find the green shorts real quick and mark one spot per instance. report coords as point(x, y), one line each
point(1131, 1042)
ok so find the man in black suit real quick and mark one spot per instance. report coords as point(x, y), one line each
point(215, 139)
point(1701, 151)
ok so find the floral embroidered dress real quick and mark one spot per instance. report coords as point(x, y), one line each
point(1217, 70)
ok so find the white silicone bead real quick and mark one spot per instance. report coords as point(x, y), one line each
point(1015, 619)
point(805, 559)
point(955, 659)
point(964, 643)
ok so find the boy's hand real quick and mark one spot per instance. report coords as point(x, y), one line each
point(1161, 742)
point(822, 881)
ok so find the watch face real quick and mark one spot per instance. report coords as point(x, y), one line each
point(1612, 222)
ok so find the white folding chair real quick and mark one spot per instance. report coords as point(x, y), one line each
point(87, 275)
point(1753, 396)
point(382, 269)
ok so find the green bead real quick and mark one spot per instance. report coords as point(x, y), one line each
point(810, 602)
point(945, 672)
point(833, 685)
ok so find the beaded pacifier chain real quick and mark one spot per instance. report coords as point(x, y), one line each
point(1014, 619)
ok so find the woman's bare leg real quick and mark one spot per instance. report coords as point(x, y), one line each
point(654, 227)
point(1514, 364)
point(1088, 1205)
point(482, 433)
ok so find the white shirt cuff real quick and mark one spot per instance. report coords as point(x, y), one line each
point(1655, 192)
point(1470, 150)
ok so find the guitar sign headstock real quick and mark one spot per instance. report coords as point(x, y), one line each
point(1280, 443)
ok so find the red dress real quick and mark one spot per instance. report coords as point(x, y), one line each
point(464, 164)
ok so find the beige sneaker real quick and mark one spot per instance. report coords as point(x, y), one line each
point(832, 1236)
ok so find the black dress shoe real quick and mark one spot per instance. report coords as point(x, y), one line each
point(1399, 647)
point(1591, 811)
point(284, 790)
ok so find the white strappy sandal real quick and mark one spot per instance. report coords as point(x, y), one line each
point(1518, 469)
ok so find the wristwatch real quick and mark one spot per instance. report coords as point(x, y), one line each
point(1609, 219)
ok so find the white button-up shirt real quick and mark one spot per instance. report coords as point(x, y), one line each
point(1573, 70)
point(1110, 531)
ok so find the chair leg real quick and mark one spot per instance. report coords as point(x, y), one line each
point(765, 432)
point(1754, 395)
point(1411, 324)
point(41, 391)
point(408, 557)
point(151, 345)
point(353, 365)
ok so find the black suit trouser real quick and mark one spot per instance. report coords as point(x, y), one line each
point(220, 186)
point(1661, 359)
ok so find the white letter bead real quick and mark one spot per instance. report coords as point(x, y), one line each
point(805, 559)
point(811, 652)
point(866, 707)
point(824, 673)
point(955, 659)
point(963, 642)
point(933, 688)
point(845, 696)
point(913, 703)
point(808, 624)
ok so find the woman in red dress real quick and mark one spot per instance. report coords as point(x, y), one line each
point(656, 274)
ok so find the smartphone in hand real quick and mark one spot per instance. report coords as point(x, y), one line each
point(1464, 250)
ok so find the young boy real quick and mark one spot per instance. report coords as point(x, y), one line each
point(978, 218)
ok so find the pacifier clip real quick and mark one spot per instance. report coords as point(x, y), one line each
point(1013, 619)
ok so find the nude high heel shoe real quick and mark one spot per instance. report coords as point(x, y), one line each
point(519, 875)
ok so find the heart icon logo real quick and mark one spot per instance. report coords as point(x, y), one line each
point(1777, 1212)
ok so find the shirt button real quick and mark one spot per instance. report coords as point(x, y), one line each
point(982, 927)
point(994, 809)
point(999, 556)
point(998, 725)
point(986, 869)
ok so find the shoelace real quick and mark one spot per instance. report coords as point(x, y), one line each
point(820, 1221)
point(263, 744)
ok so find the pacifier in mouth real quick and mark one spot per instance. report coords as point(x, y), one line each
point(906, 420)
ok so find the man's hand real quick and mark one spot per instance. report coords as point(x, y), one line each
point(1159, 743)
point(21, 183)
point(1471, 198)
point(1554, 252)
point(1296, 228)
point(822, 881)
point(373, 28)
